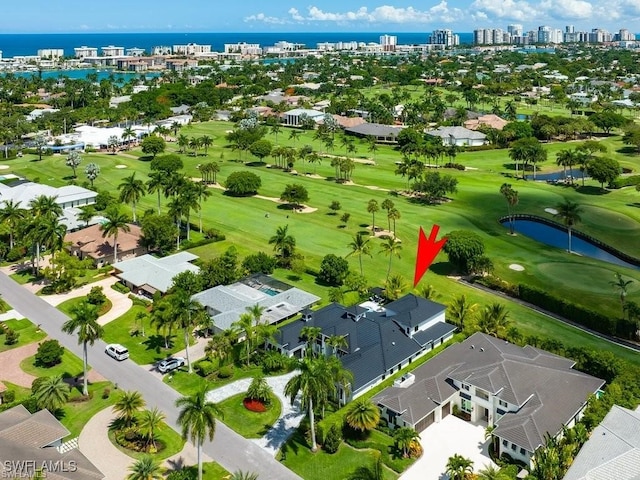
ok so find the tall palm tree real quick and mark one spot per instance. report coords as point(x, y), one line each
point(188, 314)
point(394, 214)
point(197, 418)
point(387, 204)
point(359, 247)
point(247, 328)
point(372, 208)
point(163, 319)
point(206, 141)
point(115, 223)
point(336, 342)
point(394, 287)
point(283, 244)
point(459, 310)
point(493, 319)
point(569, 212)
point(127, 407)
point(371, 472)
point(361, 414)
point(458, 467)
point(86, 214)
point(511, 196)
point(149, 422)
point(202, 192)
point(52, 393)
point(189, 197)
point(84, 322)
point(127, 134)
point(131, 191)
point(315, 383)
point(392, 248)
point(622, 286)
point(47, 232)
point(156, 184)
point(11, 215)
point(44, 206)
point(311, 335)
point(145, 468)
point(403, 437)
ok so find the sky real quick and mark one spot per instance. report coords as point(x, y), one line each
point(77, 16)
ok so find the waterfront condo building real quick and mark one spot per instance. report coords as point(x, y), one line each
point(388, 43)
point(112, 51)
point(444, 37)
point(51, 53)
point(191, 49)
point(84, 52)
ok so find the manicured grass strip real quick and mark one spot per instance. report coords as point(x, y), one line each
point(21, 392)
point(210, 471)
point(189, 383)
point(173, 443)
point(69, 367)
point(247, 423)
point(68, 305)
point(24, 276)
point(142, 350)
point(29, 333)
point(77, 414)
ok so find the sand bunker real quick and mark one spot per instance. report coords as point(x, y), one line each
point(302, 208)
point(4, 167)
point(121, 166)
point(552, 211)
point(516, 267)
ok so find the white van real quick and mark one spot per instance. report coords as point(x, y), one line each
point(117, 351)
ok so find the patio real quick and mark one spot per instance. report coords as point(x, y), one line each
point(444, 439)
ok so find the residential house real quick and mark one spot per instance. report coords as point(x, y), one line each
point(69, 196)
point(293, 118)
point(491, 121)
point(146, 275)
point(225, 303)
point(459, 136)
point(524, 392)
point(612, 451)
point(381, 133)
point(91, 243)
point(31, 442)
point(380, 340)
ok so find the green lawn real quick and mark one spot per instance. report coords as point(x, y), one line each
point(21, 392)
point(210, 471)
point(69, 367)
point(29, 333)
point(142, 350)
point(246, 423)
point(68, 305)
point(188, 383)
point(24, 276)
point(77, 414)
point(173, 443)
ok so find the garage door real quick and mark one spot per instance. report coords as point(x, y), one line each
point(425, 422)
point(446, 409)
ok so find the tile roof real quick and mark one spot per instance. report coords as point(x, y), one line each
point(155, 272)
point(544, 385)
point(91, 242)
point(613, 450)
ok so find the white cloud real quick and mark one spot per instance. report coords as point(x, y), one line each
point(295, 15)
point(568, 9)
point(507, 9)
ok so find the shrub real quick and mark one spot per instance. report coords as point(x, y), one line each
point(332, 440)
point(226, 371)
point(213, 234)
point(15, 254)
point(36, 384)
point(243, 183)
point(96, 296)
point(333, 270)
point(254, 405)
point(9, 396)
point(259, 389)
point(457, 166)
point(11, 337)
point(121, 287)
point(106, 393)
point(259, 263)
point(204, 368)
point(140, 302)
point(31, 404)
point(49, 353)
point(630, 181)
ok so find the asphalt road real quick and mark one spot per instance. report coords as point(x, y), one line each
point(229, 449)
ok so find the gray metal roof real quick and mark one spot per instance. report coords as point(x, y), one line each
point(158, 273)
point(375, 130)
point(613, 450)
point(24, 192)
point(544, 385)
point(459, 133)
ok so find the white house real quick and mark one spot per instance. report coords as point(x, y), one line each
point(293, 118)
point(459, 136)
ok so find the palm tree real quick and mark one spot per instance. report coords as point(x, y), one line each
point(275, 130)
point(372, 208)
point(459, 467)
point(403, 437)
point(311, 335)
point(156, 184)
point(315, 383)
point(206, 141)
point(163, 319)
point(149, 422)
point(131, 191)
point(183, 143)
point(197, 418)
point(493, 319)
point(240, 475)
point(202, 192)
point(511, 196)
point(11, 215)
point(569, 212)
point(362, 415)
point(190, 199)
point(391, 247)
point(188, 314)
point(246, 326)
point(394, 214)
point(336, 342)
point(220, 346)
point(83, 320)
point(128, 133)
point(394, 287)
point(373, 472)
point(387, 204)
point(47, 232)
point(86, 214)
point(127, 407)
point(145, 468)
point(52, 393)
point(44, 206)
point(115, 223)
point(359, 247)
point(621, 285)
point(459, 309)
point(492, 473)
point(283, 244)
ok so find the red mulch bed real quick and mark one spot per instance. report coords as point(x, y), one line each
point(254, 405)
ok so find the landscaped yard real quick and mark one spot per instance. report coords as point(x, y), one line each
point(210, 471)
point(69, 367)
point(189, 383)
point(68, 305)
point(78, 413)
point(20, 392)
point(143, 350)
point(29, 333)
point(247, 423)
point(170, 440)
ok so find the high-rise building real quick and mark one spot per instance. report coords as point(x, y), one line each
point(444, 37)
point(52, 53)
point(388, 42)
point(625, 35)
point(599, 35)
point(84, 52)
point(569, 29)
point(515, 29)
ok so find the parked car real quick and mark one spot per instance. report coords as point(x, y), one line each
point(170, 364)
point(117, 351)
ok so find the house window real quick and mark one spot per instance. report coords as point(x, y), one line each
point(482, 394)
point(415, 329)
point(505, 443)
point(465, 386)
point(502, 403)
point(522, 451)
point(466, 405)
point(513, 447)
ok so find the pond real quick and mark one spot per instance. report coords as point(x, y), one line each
point(558, 238)
point(556, 176)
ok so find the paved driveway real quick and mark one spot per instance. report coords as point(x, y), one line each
point(228, 448)
point(444, 439)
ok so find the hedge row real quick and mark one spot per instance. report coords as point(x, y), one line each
point(591, 319)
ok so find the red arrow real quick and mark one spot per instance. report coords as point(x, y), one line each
point(427, 251)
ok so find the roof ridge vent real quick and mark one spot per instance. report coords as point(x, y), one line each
point(472, 347)
point(482, 349)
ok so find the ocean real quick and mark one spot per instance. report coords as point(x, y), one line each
point(29, 44)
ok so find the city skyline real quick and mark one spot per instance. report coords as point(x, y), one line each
point(71, 16)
